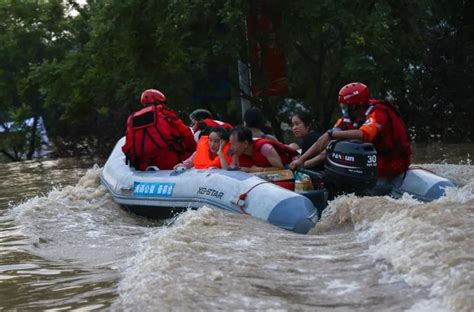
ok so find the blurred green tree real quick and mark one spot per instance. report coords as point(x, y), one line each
point(30, 33)
point(84, 72)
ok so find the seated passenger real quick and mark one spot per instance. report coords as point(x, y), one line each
point(302, 127)
point(202, 121)
point(155, 136)
point(211, 151)
point(256, 122)
point(252, 155)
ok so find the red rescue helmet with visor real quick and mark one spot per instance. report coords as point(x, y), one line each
point(152, 96)
point(354, 93)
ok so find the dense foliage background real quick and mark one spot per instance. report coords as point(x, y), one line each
point(83, 67)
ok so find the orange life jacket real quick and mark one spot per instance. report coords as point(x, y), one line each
point(285, 152)
point(202, 159)
point(157, 137)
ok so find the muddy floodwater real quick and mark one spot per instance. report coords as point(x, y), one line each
point(65, 245)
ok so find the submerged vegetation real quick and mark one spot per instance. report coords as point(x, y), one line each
point(82, 67)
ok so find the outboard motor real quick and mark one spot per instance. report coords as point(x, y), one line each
point(350, 167)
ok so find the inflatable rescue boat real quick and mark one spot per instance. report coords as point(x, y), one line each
point(350, 167)
point(161, 193)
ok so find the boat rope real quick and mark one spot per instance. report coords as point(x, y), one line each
point(243, 196)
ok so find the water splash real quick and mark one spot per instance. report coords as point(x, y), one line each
point(429, 245)
point(369, 253)
point(78, 223)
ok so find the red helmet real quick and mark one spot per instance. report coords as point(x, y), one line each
point(152, 96)
point(355, 93)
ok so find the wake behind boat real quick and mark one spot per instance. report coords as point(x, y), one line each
point(160, 193)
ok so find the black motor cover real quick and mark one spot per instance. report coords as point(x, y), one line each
point(350, 166)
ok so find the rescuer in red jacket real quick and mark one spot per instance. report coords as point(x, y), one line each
point(367, 120)
point(155, 136)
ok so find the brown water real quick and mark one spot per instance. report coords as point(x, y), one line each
point(65, 245)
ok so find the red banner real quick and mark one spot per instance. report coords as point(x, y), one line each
point(267, 59)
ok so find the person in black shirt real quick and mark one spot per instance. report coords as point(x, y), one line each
point(303, 128)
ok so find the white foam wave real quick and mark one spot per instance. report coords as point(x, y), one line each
point(77, 223)
point(429, 245)
point(209, 260)
point(160, 264)
point(212, 260)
